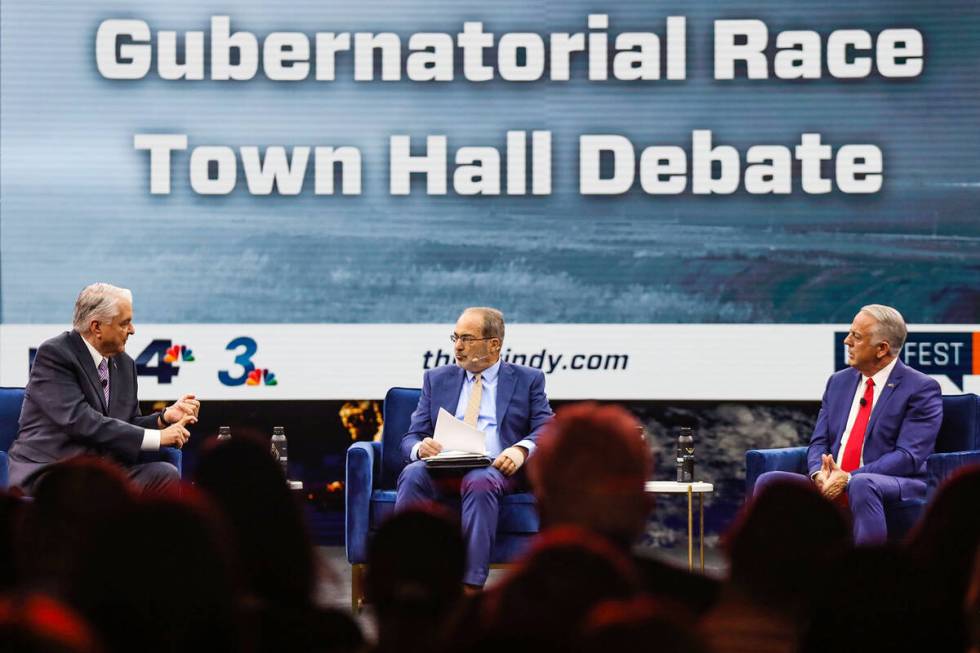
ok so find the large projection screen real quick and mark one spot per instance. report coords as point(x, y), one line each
point(678, 206)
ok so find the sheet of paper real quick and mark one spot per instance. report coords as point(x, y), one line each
point(456, 435)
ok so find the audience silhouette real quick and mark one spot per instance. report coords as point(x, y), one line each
point(601, 488)
point(779, 552)
point(12, 514)
point(543, 600)
point(945, 542)
point(73, 502)
point(972, 606)
point(877, 600)
point(159, 578)
point(415, 577)
point(226, 565)
point(637, 626)
point(276, 559)
point(36, 623)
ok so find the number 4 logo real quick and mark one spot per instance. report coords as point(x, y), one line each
point(163, 371)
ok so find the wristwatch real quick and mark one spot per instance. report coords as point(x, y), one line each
point(163, 420)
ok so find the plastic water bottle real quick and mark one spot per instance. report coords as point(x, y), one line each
point(685, 455)
point(279, 451)
point(224, 433)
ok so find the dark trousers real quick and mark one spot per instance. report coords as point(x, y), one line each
point(867, 496)
point(479, 492)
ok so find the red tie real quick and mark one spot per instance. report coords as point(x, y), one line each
point(852, 452)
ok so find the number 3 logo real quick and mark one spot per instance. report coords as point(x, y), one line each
point(243, 359)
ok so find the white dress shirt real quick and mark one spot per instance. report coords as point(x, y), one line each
point(151, 437)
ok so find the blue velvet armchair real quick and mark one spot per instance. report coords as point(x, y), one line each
point(11, 400)
point(957, 444)
point(372, 475)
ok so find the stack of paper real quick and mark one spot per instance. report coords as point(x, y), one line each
point(462, 445)
point(457, 435)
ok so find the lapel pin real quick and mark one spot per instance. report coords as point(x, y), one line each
point(890, 385)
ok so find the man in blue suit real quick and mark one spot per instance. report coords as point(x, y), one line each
point(507, 402)
point(877, 425)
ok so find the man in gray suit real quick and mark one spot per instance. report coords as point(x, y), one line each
point(81, 399)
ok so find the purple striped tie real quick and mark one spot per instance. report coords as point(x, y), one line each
point(104, 377)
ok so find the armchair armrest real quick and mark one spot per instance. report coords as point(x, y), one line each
point(759, 461)
point(940, 466)
point(362, 460)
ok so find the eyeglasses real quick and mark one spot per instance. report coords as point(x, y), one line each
point(465, 339)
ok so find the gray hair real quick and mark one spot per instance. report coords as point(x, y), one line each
point(493, 321)
point(99, 302)
point(889, 326)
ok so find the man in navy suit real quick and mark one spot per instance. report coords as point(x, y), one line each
point(507, 402)
point(877, 425)
point(81, 399)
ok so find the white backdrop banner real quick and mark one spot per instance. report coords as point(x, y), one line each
point(752, 362)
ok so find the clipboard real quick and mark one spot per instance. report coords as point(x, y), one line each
point(457, 460)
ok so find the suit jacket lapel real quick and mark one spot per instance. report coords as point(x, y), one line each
point(88, 367)
point(891, 385)
point(446, 394)
point(505, 390)
point(845, 411)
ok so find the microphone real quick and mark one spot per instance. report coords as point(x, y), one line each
point(864, 402)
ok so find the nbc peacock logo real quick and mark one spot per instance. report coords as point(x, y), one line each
point(177, 354)
point(261, 377)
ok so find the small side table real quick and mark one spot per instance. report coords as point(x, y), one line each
point(700, 489)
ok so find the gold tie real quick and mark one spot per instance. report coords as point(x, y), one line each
point(473, 407)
